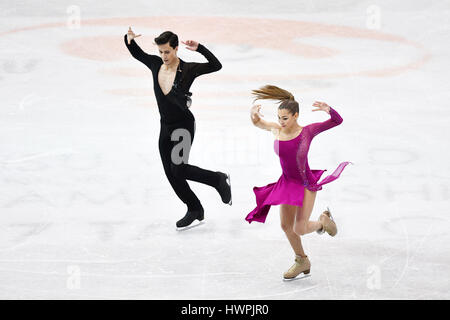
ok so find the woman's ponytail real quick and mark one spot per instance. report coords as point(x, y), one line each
point(273, 93)
point(284, 97)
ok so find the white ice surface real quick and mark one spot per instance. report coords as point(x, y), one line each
point(86, 210)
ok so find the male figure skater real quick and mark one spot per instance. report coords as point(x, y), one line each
point(172, 78)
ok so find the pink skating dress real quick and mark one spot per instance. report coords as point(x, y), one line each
point(289, 189)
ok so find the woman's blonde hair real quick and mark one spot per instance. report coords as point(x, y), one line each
point(284, 97)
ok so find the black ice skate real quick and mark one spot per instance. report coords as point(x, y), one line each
point(224, 187)
point(190, 217)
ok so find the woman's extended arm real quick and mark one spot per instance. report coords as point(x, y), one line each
point(334, 121)
point(255, 116)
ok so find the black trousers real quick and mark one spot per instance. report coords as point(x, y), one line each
point(175, 141)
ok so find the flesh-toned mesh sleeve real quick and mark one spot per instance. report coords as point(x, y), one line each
point(318, 127)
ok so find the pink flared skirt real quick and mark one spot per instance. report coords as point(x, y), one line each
point(285, 191)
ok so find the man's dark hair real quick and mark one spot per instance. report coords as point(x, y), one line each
point(167, 36)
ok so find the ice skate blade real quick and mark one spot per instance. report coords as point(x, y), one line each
point(192, 225)
point(331, 217)
point(229, 183)
point(299, 277)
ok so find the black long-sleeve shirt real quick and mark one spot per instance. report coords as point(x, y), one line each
point(172, 107)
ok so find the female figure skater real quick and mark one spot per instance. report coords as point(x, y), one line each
point(172, 78)
point(295, 191)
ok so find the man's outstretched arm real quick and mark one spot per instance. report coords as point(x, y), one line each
point(147, 59)
point(213, 63)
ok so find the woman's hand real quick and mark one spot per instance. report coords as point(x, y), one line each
point(255, 114)
point(191, 44)
point(131, 35)
point(257, 120)
point(321, 106)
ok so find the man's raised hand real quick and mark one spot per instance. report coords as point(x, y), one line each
point(191, 44)
point(131, 35)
